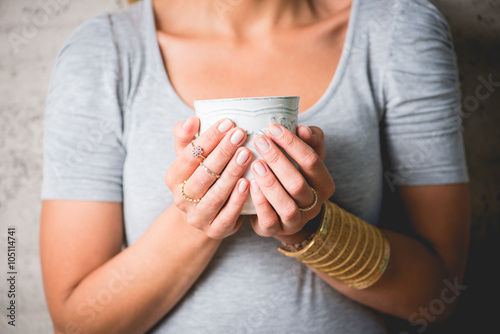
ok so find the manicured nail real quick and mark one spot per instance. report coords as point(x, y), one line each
point(237, 137)
point(260, 168)
point(242, 157)
point(255, 186)
point(225, 125)
point(263, 145)
point(243, 186)
point(276, 131)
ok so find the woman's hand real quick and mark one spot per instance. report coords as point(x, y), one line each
point(218, 211)
point(279, 189)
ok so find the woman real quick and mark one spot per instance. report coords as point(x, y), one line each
point(377, 77)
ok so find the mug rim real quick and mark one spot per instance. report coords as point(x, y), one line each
point(287, 97)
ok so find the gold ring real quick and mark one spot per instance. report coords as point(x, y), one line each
point(186, 197)
point(310, 207)
point(209, 171)
point(197, 151)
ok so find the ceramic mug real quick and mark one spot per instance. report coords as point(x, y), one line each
point(254, 115)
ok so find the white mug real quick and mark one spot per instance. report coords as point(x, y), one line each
point(254, 115)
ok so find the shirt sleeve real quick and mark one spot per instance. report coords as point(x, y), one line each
point(422, 126)
point(83, 151)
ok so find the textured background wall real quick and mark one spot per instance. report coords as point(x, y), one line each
point(32, 33)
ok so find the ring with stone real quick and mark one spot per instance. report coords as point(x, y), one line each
point(197, 151)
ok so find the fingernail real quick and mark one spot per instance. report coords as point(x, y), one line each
point(237, 137)
point(309, 129)
point(242, 157)
point(243, 186)
point(225, 125)
point(188, 122)
point(255, 186)
point(263, 145)
point(276, 131)
point(260, 168)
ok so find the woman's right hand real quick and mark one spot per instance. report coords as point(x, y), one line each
point(218, 211)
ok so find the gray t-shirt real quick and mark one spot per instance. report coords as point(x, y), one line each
point(390, 115)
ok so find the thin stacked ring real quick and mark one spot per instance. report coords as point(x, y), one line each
point(310, 207)
point(186, 197)
point(197, 152)
point(208, 170)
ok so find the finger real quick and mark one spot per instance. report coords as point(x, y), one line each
point(305, 133)
point(317, 131)
point(310, 163)
point(314, 137)
point(203, 178)
point(266, 223)
point(283, 204)
point(217, 195)
point(226, 222)
point(288, 175)
point(184, 133)
point(182, 168)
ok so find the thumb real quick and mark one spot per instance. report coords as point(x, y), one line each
point(184, 133)
point(314, 137)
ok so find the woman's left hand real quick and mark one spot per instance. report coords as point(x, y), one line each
point(279, 189)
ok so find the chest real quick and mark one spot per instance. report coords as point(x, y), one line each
point(301, 63)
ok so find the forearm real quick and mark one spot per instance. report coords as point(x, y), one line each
point(419, 270)
point(136, 288)
point(414, 278)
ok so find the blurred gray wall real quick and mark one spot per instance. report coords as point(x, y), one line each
point(29, 42)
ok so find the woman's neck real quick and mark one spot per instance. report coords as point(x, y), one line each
point(240, 18)
point(254, 16)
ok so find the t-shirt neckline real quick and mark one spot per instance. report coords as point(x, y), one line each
point(154, 46)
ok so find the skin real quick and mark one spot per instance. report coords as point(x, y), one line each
point(92, 286)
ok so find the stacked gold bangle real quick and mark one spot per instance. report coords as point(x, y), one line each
point(346, 248)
